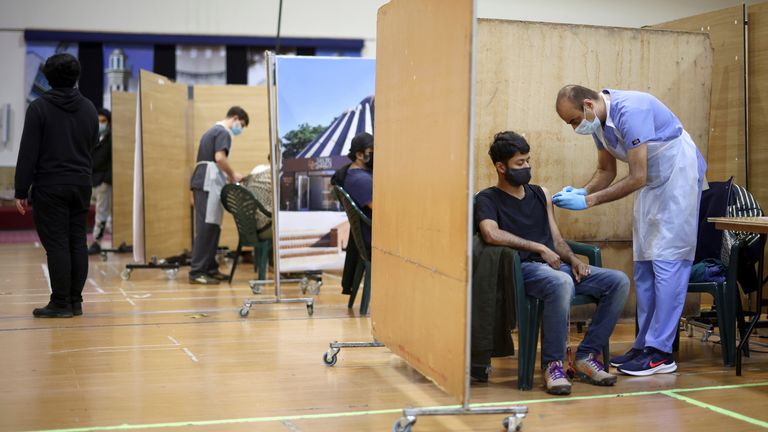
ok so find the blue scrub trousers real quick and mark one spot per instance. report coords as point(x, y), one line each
point(661, 286)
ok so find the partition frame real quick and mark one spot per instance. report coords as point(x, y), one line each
point(276, 159)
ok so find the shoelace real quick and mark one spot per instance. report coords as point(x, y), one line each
point(595, 363)
point(556, 371)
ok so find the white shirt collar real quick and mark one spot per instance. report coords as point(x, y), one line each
point(608, 120)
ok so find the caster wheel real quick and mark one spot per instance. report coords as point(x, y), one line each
point(103, 256)
point(512, 424)
point(255, 287)
point(125, 274)
point(310, 309)
point(244, 312)
point(303, 285)
point(403, 424)
point(329, 359)
point(171, 274)
point(314, 287)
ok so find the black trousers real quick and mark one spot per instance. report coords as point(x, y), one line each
point(60, 213)
point(206, 242)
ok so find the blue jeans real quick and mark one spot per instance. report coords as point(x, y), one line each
point(556, 288)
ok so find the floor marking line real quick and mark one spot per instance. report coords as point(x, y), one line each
point(47, 275)
point(717, 409)
point(382, 411)
point(128, 299)
point(189, 354)
point(95, 285)
point(168, 348)
point(175, 342)
point(126, 347)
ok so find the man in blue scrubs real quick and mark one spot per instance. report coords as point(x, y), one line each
point(666, 171)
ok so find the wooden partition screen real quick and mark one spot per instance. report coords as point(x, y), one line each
point(166, 166)
point(522, 65)
point(123, 147)
point(210, 104)
point(758, 101)
point(422, 186)
point(727, 145)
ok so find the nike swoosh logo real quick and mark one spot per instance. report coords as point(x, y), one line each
point(653, 365)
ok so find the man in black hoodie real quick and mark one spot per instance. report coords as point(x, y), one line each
point(102, 180)
point(60, 132)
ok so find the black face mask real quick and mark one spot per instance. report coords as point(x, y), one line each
point(518, 177)
point(368, 161)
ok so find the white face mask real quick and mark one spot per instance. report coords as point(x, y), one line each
point(587, 127)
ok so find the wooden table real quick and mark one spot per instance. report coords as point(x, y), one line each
point(757, 225)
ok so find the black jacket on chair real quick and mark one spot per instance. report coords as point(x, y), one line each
point(493, 301)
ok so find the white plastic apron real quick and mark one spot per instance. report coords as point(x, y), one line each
point(214, 182)
point(665, 220)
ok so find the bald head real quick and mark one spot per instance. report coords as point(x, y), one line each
point(575, 94)
point(572, 101)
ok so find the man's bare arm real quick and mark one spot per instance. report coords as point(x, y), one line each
point(493, 235)
point(604, 174)
point(561, 247)
point(637, 178)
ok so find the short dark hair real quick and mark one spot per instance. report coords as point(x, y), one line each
point(576, 94)
point(62, 70)
point(506, 144)
point(106, 113)
point(360, 142)
point(240, 113)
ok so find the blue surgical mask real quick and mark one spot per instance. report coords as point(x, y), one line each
point(102, 128)
point(236, 129)
point(587, 127)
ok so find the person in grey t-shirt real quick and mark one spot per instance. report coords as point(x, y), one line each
point(211, 172)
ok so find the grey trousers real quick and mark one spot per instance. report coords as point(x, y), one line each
point(206, 241)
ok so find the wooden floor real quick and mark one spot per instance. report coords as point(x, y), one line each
point(150, 353)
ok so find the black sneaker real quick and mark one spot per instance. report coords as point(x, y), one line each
point(203, 280)
point(219, 276)
point(77, 308)
point(53, 311)
point(480, 373)
point(94, 249)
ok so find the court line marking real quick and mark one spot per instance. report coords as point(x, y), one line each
point(400, 410)
point(717, 409)
point(189, 354)
point(128, 299)
point(47, 275)
point(95, 285)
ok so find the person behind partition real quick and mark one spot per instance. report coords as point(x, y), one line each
point(53, 173)
point(666, 172)
point(210, 174)
point(101, 180)
point(520, 215)
point(357, 179)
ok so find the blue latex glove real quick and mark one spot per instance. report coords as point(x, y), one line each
point(570, 200)
point(580, 191)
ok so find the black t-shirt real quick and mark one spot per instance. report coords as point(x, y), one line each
point(214, 140)
point(526, 218)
